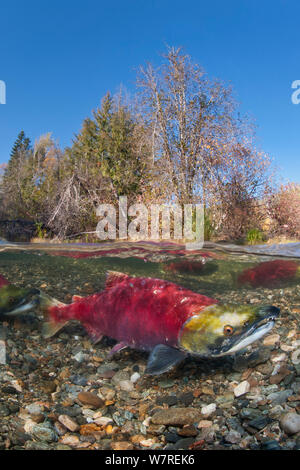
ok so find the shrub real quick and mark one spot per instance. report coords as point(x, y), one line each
point(284, 211)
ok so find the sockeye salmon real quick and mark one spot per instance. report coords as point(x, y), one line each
point(161, 317)
point(16, 300)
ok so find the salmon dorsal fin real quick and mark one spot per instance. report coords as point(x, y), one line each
point(113, 278)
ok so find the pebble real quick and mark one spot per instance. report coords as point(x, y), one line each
point(204, 424)
point(72, 441)
point(176, 416)
point(296, 357)
point(44, 432)
point(80, 357)
point(88, 398)
point(135, 377)
point(121, 445)
point(241, 388)
point(119, 377)
point(188, 430)
point(260, 422)
point(126, 385)
point(233, 437)
point(184, 443)
point(103, 421)
point(68, 422)
point(2, 352)
point(290, 423)
point(279, 397)
point(270, 340)
point(208, 409)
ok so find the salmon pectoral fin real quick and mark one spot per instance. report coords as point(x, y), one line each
point(163, 358)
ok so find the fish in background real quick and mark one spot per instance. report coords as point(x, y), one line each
point(16, 300)
point(190, 267)
point(270, 273)
point(161, 317)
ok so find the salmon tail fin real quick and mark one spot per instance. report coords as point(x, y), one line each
point(113, 278)
point(51, 325)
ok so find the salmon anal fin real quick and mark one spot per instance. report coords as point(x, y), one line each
point(113, 278)
point(50, 328)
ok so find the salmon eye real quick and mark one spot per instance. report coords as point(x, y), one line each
point(228, 330)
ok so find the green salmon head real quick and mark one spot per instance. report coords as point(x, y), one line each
point(15, 300)
point(219, 330)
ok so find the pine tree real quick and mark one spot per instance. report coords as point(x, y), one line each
point(14, 176)
point(18, 155)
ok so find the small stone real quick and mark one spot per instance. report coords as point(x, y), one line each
point(147, 442)
point(68, 422)
point(280, 375)
point(279, 358)
point(270, 340)
point(2, 352)
point(189, 430)
point(176, 416)
point(290, 423)
point(209, 409)
point(119, 377)
point(121, 445)
point(207, 434)
point(72, 441)
point(184, 443)
point(103, 421)
point(270, 445)
point(169, 400)
point(135, 377)
point(296, 357)
point(126, 385)
point(44, 432)
point(172, 437)
point(241, 388)
point(88, 429)
point(166, 383)
point(279, 397)
point(186, 398)
point(155, 429)
point(91, 399)
point(260, 422)
point(34, 408)
point(204, 424)
point(80, 357)
point(233, 437)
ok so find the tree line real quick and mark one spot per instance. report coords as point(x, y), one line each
point(180, 138)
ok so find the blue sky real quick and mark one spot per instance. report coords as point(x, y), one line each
point(58, 58)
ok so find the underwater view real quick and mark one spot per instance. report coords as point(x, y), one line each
point(129, 346)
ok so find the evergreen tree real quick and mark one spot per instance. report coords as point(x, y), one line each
point(18, 155)
point(14, 176)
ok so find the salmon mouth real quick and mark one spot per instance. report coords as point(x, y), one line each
point(252, 333)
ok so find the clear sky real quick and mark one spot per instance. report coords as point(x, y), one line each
point(58, 58)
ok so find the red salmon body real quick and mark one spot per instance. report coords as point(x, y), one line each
point(269, 273)
point(141, 312)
